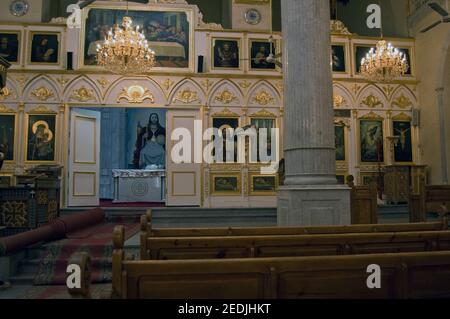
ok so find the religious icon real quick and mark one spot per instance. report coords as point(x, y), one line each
point(7, 128)
point(264, 184)
point(9, 46)
point(41, 138)
point(226, 53)
point(371, 136)
point(150, 150)
point(226, 184)
point(45, 48)
point(167, 32)
point(338, 58)
point(360, 53)
point(408, 60)
point(259, 51)
point(228, 154)
point(339, 131)
point(403, 146)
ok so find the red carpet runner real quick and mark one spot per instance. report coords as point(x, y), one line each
point(95, 240)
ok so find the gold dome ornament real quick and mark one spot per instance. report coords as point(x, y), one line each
point(384, 64)
point(125, 50)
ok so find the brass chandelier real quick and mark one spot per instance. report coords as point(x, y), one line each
point(125, 50)
point(384, 64)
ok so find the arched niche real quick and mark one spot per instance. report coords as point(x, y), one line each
point(187, 92)
point(226, 93)
point(263, 94)
point(82, 90)
point(342, 98)
point(372, 97)
point(130, 91)
point(42, 89)
point(403, 99)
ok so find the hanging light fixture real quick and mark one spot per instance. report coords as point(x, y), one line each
point(383, 64)
point(125, 50)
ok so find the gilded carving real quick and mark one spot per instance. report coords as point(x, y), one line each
point(22, 79)
point(356, 88)
point(338, 100)
point(372, 101)
point(167, 84)
point(186, 96)
point(14, 214)
point(207, 84)
point(264, 113)
point(226, 113)
point(135, 94)
point(5, 109)
point(5, 93)
point(388, 90)
point(63, 81)
point(42, 93)
point(263, 98)
point(103, 82)
point(244, 84)
point(402, 102)
point(338, 27)
point(402, 117)
point(226, 97)
point(280, 86)
point(83, 94)
point(42, 109)
point(372, 116)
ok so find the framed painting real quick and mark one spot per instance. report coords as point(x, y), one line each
point(40, 138)
point(259, 51)
point(360, 53)
point(338, 60)
point(226, 53)
point(371, 141)
point(226, 184)
point(7, 135)
point(169, 32)
point(407, 53)
point(10, 46)
point(403, 152)
point(263, 184)
point(44, 47)
point(339, 138)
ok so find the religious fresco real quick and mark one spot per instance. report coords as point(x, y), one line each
point(371, 137)
point(264, 184)
point(403, 146)
point(147, 138)
point(44, 48)
point(339, 132)
point(167, 33)
point(7, 130)
point(259, 51)
point(338, 58)
point(10, 46)
point(226, 53)
point(41, 138)
point(226, 185)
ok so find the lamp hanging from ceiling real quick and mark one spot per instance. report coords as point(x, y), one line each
point(125, 50)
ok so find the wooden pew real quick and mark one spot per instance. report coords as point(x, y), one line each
point(404, 275)
point(171, 248)
point(429, 199)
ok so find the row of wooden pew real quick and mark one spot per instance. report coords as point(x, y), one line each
point(271, 262)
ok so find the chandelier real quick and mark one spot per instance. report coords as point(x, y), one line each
point(125, 50)
point(384, 64)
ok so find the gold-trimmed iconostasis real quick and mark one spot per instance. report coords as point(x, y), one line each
point(376, 124)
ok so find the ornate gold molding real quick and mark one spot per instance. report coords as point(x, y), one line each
point(5, 93)
point(264, 113)
point(22, 79)
point(338, 27)
point(63, 81)
point(244, 84)
point(135, 94)
point(43, 93)
point(207, 84)
point(280, 86)
point(167, 84)
point(372, 101)
point(402, 102)
point(402, 117)
point(263, 98)
point(226, 97)
point(83, 94)
point(41, 109)
point(338, 100)
point(226, 112)
point(5, 109)
point(103, 82)
point(388, 89)
point(372, 116)
point(186, 96)
point(356, 88)
point(342, 122)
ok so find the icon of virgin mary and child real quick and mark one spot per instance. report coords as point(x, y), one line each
point(150, 150)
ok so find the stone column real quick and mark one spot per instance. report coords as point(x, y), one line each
point(442, 134)
point(311, 195)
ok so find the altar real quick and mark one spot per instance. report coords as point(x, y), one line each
point(139, 185)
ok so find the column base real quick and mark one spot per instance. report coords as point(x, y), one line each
point(315, 205)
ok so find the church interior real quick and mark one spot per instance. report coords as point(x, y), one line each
point(224, 149)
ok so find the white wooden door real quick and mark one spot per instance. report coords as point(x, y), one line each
point(84, 158)
point(183, 180)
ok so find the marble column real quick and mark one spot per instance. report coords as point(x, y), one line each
point(311, 195)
